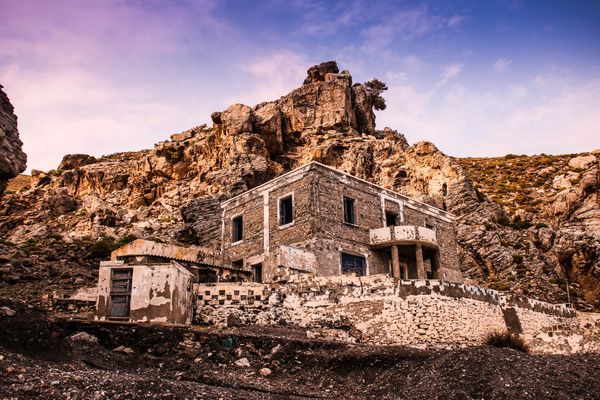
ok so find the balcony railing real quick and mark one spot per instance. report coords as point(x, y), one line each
point(405, 234)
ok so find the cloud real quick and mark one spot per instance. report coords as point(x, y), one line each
point(558, 117)
point(407, 25)
point(450, 71)
point(271, 76)
point(501, 64)
point(88, 77)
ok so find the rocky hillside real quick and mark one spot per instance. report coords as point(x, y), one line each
point(170, 192)
point(12, 159)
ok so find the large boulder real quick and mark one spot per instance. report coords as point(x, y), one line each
point(317, 73)
point(319, 105)
point(13, 160)
point(74, 161)
point(267, 122)
point(237, 119)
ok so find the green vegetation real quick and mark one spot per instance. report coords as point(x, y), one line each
point(375, 87)
point(502, 286)
point(516, 182)
point(173, 154)
point(106, 245)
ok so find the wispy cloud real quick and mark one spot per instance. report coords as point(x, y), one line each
point(408, 24)
point(556, 117)
point(501, 64)
point(271, 76)
point(450, 71)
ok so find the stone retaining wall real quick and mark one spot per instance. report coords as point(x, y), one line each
point(379, 310)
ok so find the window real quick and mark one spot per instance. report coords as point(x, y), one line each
point(390, 218)
point(237, 228)
point(286, 210)
point(238, 264)
point(349, 212)
point(257, 273)
point(353, 264)
point(429, 226)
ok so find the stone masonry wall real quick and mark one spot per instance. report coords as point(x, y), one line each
point(378, 310)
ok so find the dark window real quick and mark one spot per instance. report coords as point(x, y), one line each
point(237, 228)
point(207, 275)
point(238, 264)
point(353, 264)
point(429, 226)
point(257, 273)
point(286, 210)
point(349, 212)
point(390, 218)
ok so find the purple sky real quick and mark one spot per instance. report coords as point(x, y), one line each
point(476, 78)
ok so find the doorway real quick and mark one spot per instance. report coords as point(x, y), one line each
point(120, 294)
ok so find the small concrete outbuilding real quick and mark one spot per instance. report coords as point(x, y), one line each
point(147, 281)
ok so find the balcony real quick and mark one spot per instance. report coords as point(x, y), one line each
point(403, 235)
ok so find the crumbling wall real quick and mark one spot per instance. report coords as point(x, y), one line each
point(379, 310)
point(159, 292)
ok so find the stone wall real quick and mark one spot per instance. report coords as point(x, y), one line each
point(379, 310)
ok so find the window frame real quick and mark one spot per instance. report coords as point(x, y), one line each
point(279, 200)
point(233, 218)
point(354, 213)
point(365, 260)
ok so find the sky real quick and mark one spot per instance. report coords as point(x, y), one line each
point(475, 77)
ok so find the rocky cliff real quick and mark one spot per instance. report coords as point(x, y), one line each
point(12, 159)
point(171, 192)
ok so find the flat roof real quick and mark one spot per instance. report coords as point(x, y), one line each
point(419, 205)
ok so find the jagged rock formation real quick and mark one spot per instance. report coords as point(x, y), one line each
point(12, 159)
point(550, 225)
point(171, 191)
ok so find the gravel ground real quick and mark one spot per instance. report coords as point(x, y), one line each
point(38, 360)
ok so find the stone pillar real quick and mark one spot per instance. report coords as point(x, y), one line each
point(395, 262)
point(420, 266)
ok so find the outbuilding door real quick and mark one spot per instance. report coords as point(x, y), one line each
point(120, 293)
point(352, 263)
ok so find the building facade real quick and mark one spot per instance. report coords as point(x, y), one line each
point(318, 220)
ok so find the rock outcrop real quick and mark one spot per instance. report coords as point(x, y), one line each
point(13, 160)
point(171, 192)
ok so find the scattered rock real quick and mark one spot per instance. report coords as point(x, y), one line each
point(265, 371)
point(233, 319)
point(124, 350)
point(84, 337)
point(582, 162)
point(7, 312)
point(243, 362)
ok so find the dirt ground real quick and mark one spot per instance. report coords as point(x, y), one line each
point(38, 360)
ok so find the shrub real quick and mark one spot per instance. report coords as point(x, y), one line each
point(103, 247)
point(502, 286)
point(506, 339)
point(375, 87)
point(517, 259)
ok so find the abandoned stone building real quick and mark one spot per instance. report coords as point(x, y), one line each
point(318, 220)
point(312, 220)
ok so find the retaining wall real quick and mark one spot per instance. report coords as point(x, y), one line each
point(376, 309)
